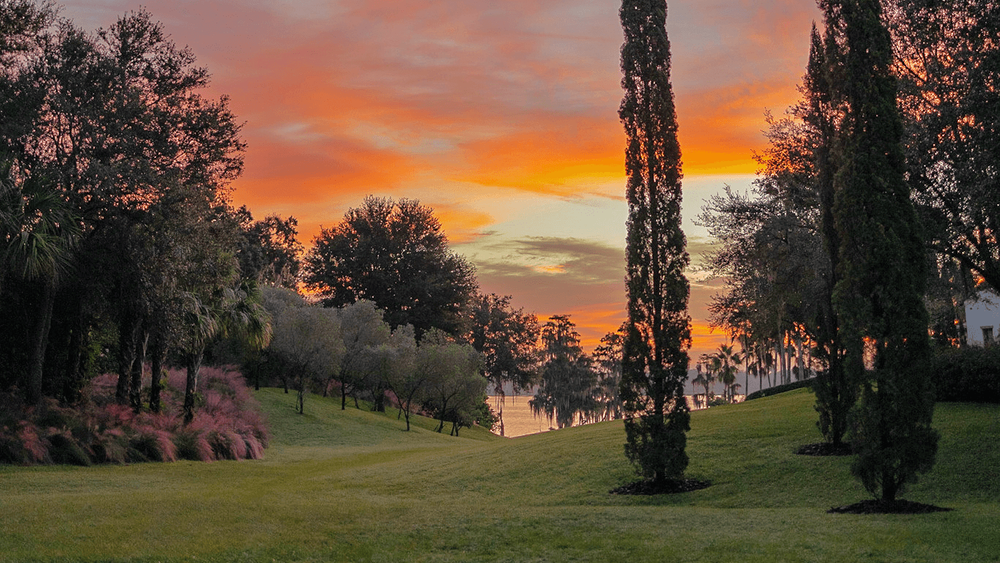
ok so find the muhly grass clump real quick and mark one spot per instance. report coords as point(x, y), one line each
point(227, 425)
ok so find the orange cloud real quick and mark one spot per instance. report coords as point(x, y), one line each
point(459, 222)
point(553, 155)
point(440, 99)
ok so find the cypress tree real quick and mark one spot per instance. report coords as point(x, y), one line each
point(879, 296)
point(822, 108)
point(658, 333)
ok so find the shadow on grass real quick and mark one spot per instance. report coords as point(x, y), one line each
point(668, 487)
point(887, 507)
point(823, 449)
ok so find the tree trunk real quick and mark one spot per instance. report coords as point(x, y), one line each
point(39, 342)
point(193, 366)
point(72, 378)
point(135, 385)
point(771, 373)
point(444, 409)
point(302, 391)
point(128, 333)
point(503, 399)
point(798, 357)
point(780, 351)
point(809, 360)
point(157, 353)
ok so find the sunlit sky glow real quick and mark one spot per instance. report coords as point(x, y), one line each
point(499, 114)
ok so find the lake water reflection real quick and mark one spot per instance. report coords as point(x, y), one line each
point(518, 420)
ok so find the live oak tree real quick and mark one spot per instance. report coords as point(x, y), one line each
point(364, 330)
point(394, 254)
point(455, 388)
point(309, 340)
point(947, 59)
point(269, 250)
point(567, 379)
point(882, 261)
point(402, 379)
point(506, 337)
point(658, 333)
point(608, 364)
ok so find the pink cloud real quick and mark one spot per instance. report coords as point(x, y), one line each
point(354, 97)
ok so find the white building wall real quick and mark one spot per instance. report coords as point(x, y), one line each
point(982, 313)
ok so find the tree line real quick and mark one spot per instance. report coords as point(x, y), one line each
point(121, 251)
point(119, 246)
point(872, 222)
point(416, 328)
point(872, 219)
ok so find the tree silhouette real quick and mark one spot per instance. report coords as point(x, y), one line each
point(395, 255)
point(658, 335)
point(879, 296)
point(568, 380)
point(507, 340)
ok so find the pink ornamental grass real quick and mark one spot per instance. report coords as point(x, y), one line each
point(228, 425)
point(34, 446)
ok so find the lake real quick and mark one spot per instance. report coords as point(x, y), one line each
point(518, 420)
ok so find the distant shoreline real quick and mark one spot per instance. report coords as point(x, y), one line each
point(519, 421)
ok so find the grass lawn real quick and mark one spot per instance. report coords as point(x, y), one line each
point(354, 486)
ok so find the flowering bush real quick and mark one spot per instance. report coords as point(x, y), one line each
point(228, 425)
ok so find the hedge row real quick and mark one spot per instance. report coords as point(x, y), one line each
point(779, 389)
point(970, 374)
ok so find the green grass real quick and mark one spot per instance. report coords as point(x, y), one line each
point(354, 486)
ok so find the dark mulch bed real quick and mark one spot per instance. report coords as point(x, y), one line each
point(670, 487)
point(825, 449)
point(884, 507)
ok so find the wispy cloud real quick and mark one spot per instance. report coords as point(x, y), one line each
point(466, 103)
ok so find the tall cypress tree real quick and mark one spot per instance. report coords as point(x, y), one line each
point(658, 332)
point(822, 108)
point(882, 265)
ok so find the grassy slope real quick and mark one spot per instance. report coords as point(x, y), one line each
point(353, 486)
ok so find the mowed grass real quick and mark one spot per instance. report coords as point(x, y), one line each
point(354, 486)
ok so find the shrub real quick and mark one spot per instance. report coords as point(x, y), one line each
point(969, 374)
point(779, 389)
point(154, 445)
point(229, 425)
point(109, 446)
point(191, 444)
point(63, 448)
point(11, 450)
point(35, 448)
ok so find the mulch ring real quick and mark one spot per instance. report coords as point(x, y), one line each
point(825, 449)
point(669, 487)
point(887, 507)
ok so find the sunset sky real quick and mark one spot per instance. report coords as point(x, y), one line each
point(499, 114)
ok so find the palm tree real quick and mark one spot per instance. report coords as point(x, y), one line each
point(727, 361)
point(38, 233)
point(706, 376)
point(228, 311)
